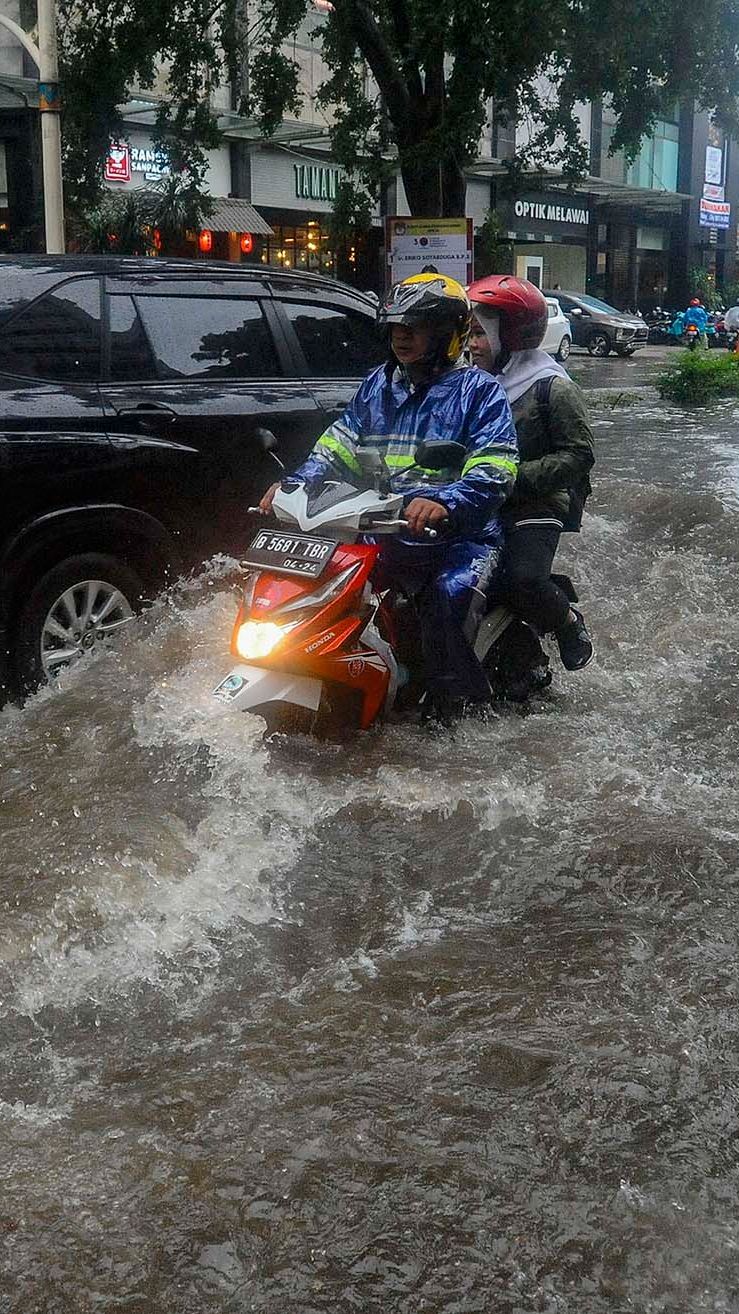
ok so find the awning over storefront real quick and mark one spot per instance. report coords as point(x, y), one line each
point(602, 192)
point(232, 215)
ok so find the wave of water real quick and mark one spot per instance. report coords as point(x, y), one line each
point(432, 1024)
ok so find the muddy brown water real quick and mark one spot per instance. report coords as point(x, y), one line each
point(431, 1024)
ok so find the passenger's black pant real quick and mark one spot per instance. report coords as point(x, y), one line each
point(527, 562)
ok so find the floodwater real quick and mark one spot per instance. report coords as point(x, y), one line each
point(440, 1024)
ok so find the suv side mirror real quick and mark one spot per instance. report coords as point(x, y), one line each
point(269, 445)
point(438, 454)
point(576, 310)
point(266, 440)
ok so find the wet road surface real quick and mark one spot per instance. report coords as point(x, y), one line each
point(432, 1024)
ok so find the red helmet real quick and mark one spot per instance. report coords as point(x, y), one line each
point(695, 302)
point(521, 306)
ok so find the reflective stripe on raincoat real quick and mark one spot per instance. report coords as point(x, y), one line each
point(462, 405)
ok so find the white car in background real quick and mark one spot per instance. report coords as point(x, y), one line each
point(558, 337)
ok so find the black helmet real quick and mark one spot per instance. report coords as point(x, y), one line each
point(435, 300)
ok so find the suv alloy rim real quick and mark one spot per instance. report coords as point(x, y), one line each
point(82, 617)
point(599, 345)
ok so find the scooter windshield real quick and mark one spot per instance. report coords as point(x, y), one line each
point(329, 494)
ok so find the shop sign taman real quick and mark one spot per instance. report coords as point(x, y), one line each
point(317, 182)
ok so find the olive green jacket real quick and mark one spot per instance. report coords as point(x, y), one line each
point(556, 451)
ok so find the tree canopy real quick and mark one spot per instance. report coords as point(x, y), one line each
point(180, 49)
point(435, 68)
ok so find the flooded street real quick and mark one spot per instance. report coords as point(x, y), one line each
point(432, 1024)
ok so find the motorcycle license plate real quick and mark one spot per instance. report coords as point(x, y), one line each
point(290, 554)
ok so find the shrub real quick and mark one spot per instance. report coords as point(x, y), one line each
point(698, 376)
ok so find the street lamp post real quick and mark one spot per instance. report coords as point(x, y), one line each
point(46, 60)
point(51, 138)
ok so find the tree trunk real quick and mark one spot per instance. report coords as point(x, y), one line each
point(434, 191)
point(422, 182)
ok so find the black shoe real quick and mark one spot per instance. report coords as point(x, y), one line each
point(442, 710)
point(574, 642)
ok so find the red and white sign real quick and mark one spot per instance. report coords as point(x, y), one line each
point(714, 214)
point(118, 162)
point(712, 192)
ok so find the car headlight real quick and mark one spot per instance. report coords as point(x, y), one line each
point(258, 638)
point(624, 332)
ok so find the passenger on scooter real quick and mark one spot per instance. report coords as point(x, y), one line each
point(426, 391)
point(556, 451)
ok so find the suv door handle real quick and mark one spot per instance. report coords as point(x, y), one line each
point(148, 415)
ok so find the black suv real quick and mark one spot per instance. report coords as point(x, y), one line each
point(132, 393)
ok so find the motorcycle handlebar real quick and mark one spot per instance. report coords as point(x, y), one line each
point(427, 531)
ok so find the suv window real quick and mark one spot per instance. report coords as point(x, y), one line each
point(131, 356)
point(337, 343)
point(56, 337)
point(209, 337)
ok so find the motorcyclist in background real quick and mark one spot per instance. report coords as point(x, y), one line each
point(556, 452)
point(697, 314)
point(425, 390)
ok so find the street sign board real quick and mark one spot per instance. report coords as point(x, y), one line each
point(417, 246)
point(714, 214)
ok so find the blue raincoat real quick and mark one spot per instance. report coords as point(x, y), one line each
point(448, 579)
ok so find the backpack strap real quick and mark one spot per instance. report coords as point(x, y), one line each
point(543, 389)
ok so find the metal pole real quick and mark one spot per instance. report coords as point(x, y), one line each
point(51, 139)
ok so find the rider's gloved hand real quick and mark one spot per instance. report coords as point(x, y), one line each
point(265, 505)
point(422, 513)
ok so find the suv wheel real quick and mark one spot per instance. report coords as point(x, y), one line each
point(73, 608)
point(599, 344)
point(563, 349)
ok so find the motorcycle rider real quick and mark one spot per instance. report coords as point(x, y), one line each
point(697, 314)
point(425, 390)
point(556, 452)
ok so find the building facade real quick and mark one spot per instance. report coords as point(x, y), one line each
point(631, 233)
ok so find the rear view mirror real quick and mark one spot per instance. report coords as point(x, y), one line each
point(369, 460)
point(439, 454)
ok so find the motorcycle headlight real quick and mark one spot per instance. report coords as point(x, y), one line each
point(258, 638)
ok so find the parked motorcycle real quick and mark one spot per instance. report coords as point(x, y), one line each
point(658, 322)
point(317, 648)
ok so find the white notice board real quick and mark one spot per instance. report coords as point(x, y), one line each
point(414, 244)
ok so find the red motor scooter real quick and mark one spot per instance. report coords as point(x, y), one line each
point(317, 648)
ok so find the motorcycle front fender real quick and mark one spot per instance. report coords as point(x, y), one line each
point(248, 687)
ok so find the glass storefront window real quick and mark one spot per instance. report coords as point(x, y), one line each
point(308, 246)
